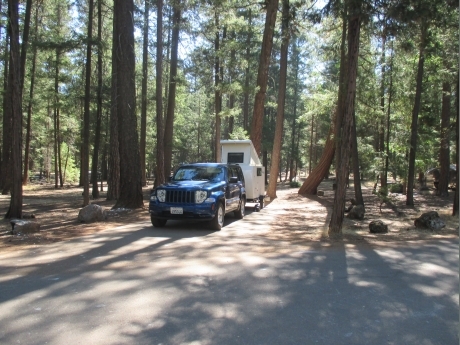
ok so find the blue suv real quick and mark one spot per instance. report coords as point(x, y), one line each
point(200, 191)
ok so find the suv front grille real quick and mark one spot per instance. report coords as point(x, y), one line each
point(180, 197)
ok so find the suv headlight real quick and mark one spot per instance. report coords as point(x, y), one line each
point(161, 195)
point(200, 196)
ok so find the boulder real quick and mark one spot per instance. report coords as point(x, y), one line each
point(430, 220)
point(108, 214)
point(91, 213)
point(24, 226)
point(378, 227)
point(357, 212)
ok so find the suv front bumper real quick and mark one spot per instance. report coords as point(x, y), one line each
point(204, 211)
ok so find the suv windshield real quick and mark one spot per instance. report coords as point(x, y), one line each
point(199, 174)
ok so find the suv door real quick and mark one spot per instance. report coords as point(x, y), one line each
point(233, 190)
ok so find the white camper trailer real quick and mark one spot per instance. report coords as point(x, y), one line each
point(243, 153)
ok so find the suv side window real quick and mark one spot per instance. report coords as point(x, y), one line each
point(240, 174)
point(231, 173)
point(236, 171)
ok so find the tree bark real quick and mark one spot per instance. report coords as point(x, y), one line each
point(57, 141)
point(5, 177)
point(217, 91)
point(355, 159)
point(144, 90)
point(25, 41)
point(25, 176)
point(86, 119)
point(414, 123)
point(390, 97)
point(262, 75)
point(444, 156)
point(97, 132)
point(15, 208)
point(310, 185)
point(130, 174)
point(455, 209)
point(113, 173)
point(247, 74)
point(335, 225)
point(383, 176)
point(160, 170)
point(169, 122)
point(278, 140)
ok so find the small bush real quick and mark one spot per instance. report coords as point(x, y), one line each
point(294, 184)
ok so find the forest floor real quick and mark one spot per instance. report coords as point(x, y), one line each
point(298, 219)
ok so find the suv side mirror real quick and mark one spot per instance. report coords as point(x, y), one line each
point(233, 179)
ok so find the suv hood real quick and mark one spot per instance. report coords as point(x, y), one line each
point(194, 185)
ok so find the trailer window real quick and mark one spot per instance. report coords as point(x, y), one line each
point(235, 157)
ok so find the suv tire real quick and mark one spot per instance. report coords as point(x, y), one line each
point(239, 213)
point(218, 221)
point(158, 223)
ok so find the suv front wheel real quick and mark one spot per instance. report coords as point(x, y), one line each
point(157, 223)
point(218, 221)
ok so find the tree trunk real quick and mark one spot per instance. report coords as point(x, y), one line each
point(414, 123)
point(130, 174)
point(247, 74)
point(311, 145)
point(113, 173)
point(231, 100)
point(25, 176)
point(5, 177)
point(144, 90)
point(390, 96)
point(97, 134)
point(455, 209)
point(57, 144)
point(343, 77)
point(86, 119)
point(292, 155)
point(160, 170)
point(278, 140)
point(25, 44)
point(217, 91)
point(25, 41)
point(444, 156)
point(262, 75)
point(310, 185)
point(354, 26)
point(169, 123)
point(383, 176)
point(14, 76)
point(356, 173)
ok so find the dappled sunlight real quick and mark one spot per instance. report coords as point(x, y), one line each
point(268, 276)
point(428, 290)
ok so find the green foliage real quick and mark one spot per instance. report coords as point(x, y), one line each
point(69, 168)
point(294, 184)
point(311, 95)
point(239, 134)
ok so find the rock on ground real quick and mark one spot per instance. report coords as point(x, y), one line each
point(91, 213)
point(24, 226)
point(430, 220)
point(378, 227)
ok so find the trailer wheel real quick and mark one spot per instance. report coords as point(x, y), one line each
point(261, 201)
